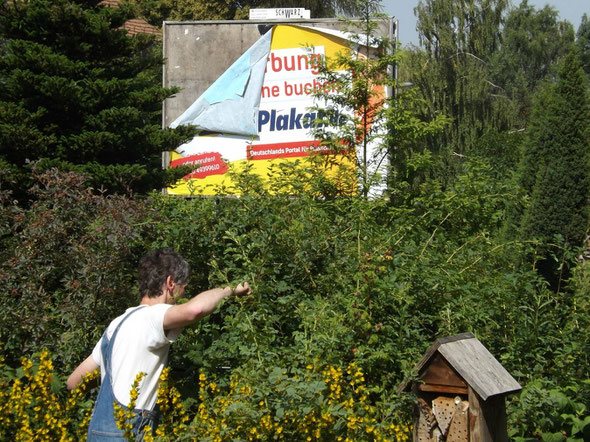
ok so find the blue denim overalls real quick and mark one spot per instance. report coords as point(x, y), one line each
point(103, 426)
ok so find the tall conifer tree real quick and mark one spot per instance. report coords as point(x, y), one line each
point(556, 168)
point(77, 92)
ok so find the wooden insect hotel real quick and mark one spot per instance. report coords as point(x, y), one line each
point(461, 391)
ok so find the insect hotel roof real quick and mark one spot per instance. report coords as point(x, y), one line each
point(472, 362)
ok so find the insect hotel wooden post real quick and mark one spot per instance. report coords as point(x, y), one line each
point(461, 391)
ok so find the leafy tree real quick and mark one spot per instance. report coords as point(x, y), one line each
point(360, 75)
point(68, 261)
point(452, 72)
point(157, 11)
point(583, 43)
point(406, 142)
point(555, 162)
point(471, 27)
point(382, 126)
point(533, 42)
point(79, 93)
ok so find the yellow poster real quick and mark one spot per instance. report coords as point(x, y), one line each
point(268, 125)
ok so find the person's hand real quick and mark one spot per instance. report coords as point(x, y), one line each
point(242, 289)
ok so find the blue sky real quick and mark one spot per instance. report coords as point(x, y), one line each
point(403, 10)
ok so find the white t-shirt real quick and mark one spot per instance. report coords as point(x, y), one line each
point(141, 345)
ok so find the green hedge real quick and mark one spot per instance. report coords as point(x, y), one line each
point(336, 281)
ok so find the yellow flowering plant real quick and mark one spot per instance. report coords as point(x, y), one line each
point(34, 408)
point(317, 404)
point(124, 415)
point(173, 415)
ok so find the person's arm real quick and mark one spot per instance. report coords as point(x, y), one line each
point(86, 367)
point(200, 306)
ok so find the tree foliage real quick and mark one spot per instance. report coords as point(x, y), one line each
point(78, 92)
point(583, 43)
point(555, 161)
point(353, 112)
point(158, 11)
point(74, 251)
point(384, 130)
point(451, 70)
point(533, 42)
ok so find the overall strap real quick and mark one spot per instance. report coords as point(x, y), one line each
point(103, 425)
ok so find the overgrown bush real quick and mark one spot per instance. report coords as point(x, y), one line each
point(33, 405)
point(318, 404)
point(68, 263)
point(337, 281)
point(551, 413)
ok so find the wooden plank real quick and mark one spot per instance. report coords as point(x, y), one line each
point(444, 408)
point(440, 372)
point(443, 389)
point(488, 419)
point(459, 427)
point(476, 432)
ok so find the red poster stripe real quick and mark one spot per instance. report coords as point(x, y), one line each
point(286, 150)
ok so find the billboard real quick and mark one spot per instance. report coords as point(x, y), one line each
point(259, 111)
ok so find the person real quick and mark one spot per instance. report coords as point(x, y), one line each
point(138, 342)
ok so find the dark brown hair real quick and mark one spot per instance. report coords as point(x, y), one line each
point(156, 266)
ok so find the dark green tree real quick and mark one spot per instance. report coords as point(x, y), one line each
point(555, 168)
point(533, 42)
point(158, 11)
point(78, 93)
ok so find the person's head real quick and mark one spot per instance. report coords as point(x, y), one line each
point(155, 269)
